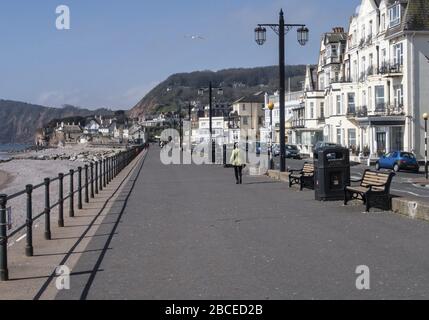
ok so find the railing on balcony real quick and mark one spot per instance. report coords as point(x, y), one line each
point(321, 120)
point(362, 77)
point(370, 71)
point(361, 43)
point(341, 80)
point(362, 112)
point(299, 123)
point(388, 68)
point(351, 112)
point(369, 40)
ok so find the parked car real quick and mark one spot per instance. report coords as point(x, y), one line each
point(292, 151)
point(398, 160)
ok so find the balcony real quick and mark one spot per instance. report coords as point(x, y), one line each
point(321, 120)
point(298, 124)
point(369, 40)
point(391, 68)
point(370, 71)
point(385, 109)
point(362, 77)
point(341, 80)
point(362, 112)
point(362, 43)
point(351, 112)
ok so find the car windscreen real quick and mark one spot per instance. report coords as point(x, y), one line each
point(407, 155)
point(288, 147)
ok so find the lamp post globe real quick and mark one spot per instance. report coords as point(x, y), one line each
point(426, 116)
point(260, 35)
point(271, 106)
point(303, 35)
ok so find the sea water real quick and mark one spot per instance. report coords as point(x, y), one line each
point(5, 149)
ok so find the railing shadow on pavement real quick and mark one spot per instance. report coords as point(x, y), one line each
point(91, 179)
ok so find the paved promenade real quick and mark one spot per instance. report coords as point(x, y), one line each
point(188, 232)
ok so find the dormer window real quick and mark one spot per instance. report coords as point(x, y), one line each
point(394, 16)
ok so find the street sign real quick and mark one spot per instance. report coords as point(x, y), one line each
point(9, 218)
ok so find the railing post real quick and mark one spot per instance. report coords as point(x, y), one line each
point(71, 194)
point(4, 272)
point(86, 185)
point(96, 177)
point(79, 186)
point(47, 210)
point(29, 222)
point(224, 155)
point(61, 200)
point(101, 174)
point(92, 180)
point(109, 168)
point(104, 173)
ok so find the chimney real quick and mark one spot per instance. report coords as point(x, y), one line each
point(338, 30)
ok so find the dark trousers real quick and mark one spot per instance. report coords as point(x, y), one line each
point(238, 173)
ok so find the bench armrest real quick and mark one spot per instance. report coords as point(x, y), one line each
point(356, 180)
point(292, 171)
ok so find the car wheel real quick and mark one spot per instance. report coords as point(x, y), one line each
point(396, 168)
point(377, 166)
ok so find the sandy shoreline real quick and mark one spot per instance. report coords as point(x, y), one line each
point(29, 168)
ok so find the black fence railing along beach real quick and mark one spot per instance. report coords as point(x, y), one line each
point(91, 179)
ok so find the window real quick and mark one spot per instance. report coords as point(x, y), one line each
point(245, 121)
point(322, 110)
point(399, 96)
point(370, 29)
point(379, 98)
point(311, 110)
point(395, 16)
point(351, 103)
point(334, 51)
point(339, 135)
point(339, 111)
point(243, 107)
point(383, 22)
point(398, 54)
point(352, 138)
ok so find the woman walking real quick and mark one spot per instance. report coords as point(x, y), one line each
point(237, 163)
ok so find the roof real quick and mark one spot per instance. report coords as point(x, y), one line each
point(414, 17)
point(258, 97)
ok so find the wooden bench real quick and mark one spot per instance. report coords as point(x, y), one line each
point(303, 177)
point(374, 190)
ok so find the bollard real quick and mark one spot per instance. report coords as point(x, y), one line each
point(79, 189)
point(96, 177)
point(47, 210)
point(86, 185)
point(4, 272)
point(71, 194)
point(29, 221)
point(92, 180)
point(61, 201)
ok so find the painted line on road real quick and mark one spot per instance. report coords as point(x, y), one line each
point(21, 237)
point(411, 193)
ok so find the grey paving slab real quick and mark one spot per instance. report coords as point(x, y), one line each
point(189, 232)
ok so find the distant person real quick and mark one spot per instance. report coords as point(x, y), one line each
point(237, 163)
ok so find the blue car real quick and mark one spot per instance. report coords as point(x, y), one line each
point(398, 160)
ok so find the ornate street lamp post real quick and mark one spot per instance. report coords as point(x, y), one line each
point(260, 37)
point(212, 141)
point(270, 149)
point(426, 118)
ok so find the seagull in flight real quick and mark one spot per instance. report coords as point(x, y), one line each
point(195, 37)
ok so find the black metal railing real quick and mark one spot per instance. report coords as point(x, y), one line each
point(105, 171)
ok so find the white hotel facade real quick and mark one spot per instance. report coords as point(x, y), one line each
point(371, 85)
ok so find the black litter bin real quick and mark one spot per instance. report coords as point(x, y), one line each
point(331, 173)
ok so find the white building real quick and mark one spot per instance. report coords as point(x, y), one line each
point(379, 97)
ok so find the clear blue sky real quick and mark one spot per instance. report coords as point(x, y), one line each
point(116, 51)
